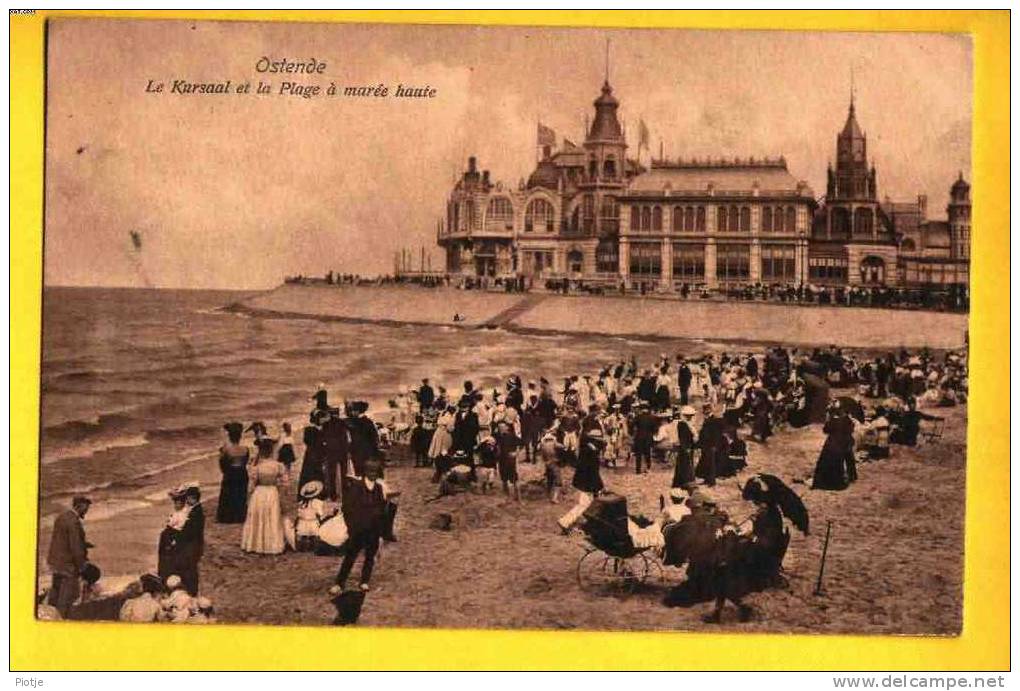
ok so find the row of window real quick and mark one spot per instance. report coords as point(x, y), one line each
point(729, 219)
point(539, 216)
point(732, 261)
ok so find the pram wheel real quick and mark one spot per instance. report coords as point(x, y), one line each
point(598, 571)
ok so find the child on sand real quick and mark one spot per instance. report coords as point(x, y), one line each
point(310, 512)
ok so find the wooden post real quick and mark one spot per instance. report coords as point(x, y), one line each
point(825, 551)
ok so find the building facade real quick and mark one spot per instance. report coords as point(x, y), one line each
point(589, 212)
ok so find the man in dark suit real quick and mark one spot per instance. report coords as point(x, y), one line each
point(465, 429)
point(364, 511)
point(68, 555)
point(426, 396)
point(181, 549)
point(684, 377)
point(334, 439)
point(364, 437)
point(645, 427)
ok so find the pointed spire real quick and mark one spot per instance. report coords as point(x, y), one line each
point(607, 60)
point(851, 87)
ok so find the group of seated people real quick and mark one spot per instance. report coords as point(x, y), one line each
point(148, 599)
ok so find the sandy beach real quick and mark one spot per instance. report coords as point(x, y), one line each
point(894, 563)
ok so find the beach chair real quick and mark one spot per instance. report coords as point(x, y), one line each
point(931, 430)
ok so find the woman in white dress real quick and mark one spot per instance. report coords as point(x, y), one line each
point(263, 526)
point(442, 440)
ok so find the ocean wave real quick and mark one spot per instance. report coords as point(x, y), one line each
point(100, 510)
point(90, 448)
point(133, 481)
point(79, 430)
point(180, 433)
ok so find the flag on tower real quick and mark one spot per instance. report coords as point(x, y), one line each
point(643, 136)
point(546, 136)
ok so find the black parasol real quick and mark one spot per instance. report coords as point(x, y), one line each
point(769, 489)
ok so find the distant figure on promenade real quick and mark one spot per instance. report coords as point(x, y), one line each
point(232, 506)
point(68, 555)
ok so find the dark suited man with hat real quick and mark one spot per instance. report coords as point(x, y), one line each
point(364, 436)
point(364, 509)
point(68, 555)
point(181, 548)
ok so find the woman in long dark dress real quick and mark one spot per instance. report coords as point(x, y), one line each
point(233, 502)
point(835, 469)
point(312, 463)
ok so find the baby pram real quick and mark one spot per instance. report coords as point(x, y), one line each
point(611, 559)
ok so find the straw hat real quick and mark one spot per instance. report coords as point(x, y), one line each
point(312, 489)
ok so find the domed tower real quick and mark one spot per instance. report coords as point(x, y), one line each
point(597, 212)
point(959, 218)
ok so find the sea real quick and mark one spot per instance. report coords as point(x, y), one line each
point(138, 383)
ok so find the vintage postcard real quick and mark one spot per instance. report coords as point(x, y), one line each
point(505, 327)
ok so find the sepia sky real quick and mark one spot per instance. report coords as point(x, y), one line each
point(237, 191)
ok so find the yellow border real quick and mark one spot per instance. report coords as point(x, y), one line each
point(985, 640)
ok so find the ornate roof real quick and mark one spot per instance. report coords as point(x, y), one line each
point(606, 126)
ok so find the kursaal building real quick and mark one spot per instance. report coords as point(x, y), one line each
point(593, 214)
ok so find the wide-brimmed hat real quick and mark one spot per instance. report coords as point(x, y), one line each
point(311, 489)
point(233, 428)
point(81, 499)
point(257, 427)
point(177, 492)
point(90, 573)
point(688, 410)
point(192, 489)
point(151, 583)
point(699, 497)
point(358, 407)
point(594, 433)
point(173, 581)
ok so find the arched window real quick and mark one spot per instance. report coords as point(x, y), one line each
point(745, 219)
point(609, 215)
point(472, 214)
point(499, 215)
point(720, 221)
point(575, 262)
point(657, 218)
point(646, 218)
point(766, 220)
point(538, 216)
point(593, 168)
point(872, 270)
point(734, 220)
point(609, 168)
point(635, 218)
point(699, 223)
point(678, 219)
point(791, 219)
point(689, 219)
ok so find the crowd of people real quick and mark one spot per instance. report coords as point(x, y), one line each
point(693, 414)
point(952, 297)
